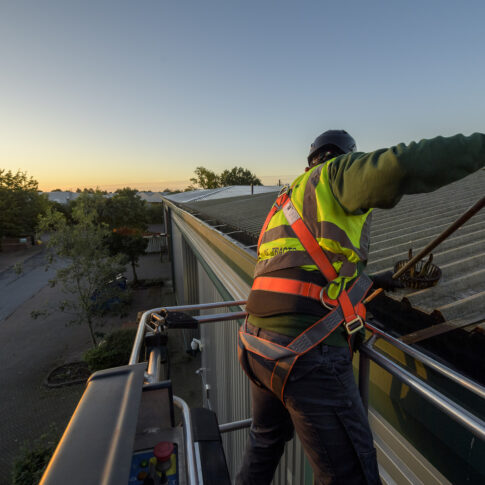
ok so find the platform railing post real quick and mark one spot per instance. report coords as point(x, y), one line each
point(364, 374)
point(364, 367)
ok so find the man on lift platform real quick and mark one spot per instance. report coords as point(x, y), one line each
point(305, 306)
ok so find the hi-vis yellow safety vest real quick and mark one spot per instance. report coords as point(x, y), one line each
point(344, 237)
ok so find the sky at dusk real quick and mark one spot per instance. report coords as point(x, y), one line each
point(139, 93)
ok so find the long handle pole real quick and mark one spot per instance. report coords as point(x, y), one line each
point(447, 232)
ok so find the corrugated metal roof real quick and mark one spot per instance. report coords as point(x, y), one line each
point(151, 197)
point(414, 222)
point(221, 193)
point(184, 197)
point(246, 213)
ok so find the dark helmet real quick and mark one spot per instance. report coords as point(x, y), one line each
point(336, 138)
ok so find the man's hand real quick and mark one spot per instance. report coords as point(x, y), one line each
point(386, 282)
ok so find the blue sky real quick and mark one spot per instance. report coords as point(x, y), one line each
point(139, 93)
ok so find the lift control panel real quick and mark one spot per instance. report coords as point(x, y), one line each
point(147, 468)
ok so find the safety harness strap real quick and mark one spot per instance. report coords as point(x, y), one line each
point(319, 257)
point(321, 329)
point(281, 372)
point(349, 311)
point(265, 348)
point(291, 287)
point(280, 200)
point(308, 241)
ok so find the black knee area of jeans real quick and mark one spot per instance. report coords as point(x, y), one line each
point(368, 462)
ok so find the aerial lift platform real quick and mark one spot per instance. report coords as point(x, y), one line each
point(124, 430)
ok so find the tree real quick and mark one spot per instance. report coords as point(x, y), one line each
point(155, 213)
point(88, 273)
point(93, 202)
point(20, 204)
point(238, 176)
point(205, 178)
point(91, 191)
point(127, 216)
point(130, 243)
point(126, 209)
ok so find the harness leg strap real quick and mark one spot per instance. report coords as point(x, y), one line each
point(281, 372)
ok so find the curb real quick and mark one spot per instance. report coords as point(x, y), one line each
point(68, 382)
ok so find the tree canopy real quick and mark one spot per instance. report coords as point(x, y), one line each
point(238, 176)
point(207, 179)
point(125, 216)
point(91, 191)
point(20, 204)
point(130, 243)
point(126, 209)
point(88, 270)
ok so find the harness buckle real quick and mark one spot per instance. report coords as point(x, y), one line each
point(354, 325)
point(284, 190)
point(280, 200)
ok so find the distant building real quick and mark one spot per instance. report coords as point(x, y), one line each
point(151, 197)
point(62, 197)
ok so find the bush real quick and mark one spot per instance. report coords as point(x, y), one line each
point(113, 351)
point(32, 461)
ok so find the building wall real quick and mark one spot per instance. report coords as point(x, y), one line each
point(228, 393)
point(177, 264)
point(224, 385)
point(185, 277)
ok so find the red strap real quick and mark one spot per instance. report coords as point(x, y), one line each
point(347, 307)
point(292, 287)
point(361, 310)
point(320, 258)
point(314, 250)
point(280, 201)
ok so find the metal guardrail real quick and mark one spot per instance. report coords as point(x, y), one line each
point(439, 400)
point(189, 441)
point(143, 325)
point(454, 376)
point(367, 351)
point(153, 373)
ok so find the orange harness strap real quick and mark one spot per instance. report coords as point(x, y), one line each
point(294, 287)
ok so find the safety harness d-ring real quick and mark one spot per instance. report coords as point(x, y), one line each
point(328, 306)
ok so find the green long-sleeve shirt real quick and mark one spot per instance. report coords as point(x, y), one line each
point(379, 179)
point(360, 181)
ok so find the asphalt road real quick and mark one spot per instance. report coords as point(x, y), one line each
point(16, 289)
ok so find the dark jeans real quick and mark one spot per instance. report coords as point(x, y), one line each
point(321, 401)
